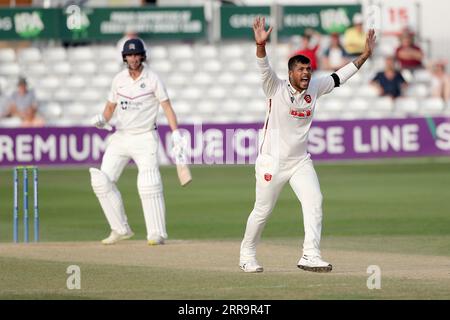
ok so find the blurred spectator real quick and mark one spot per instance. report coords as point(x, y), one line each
point(335, 55)
point(309, 46)
point(355, 37)
point(23, 104)
point(408, 54)
point(440, 81)
point(389, 82)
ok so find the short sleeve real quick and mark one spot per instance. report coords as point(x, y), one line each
point(112, 96)
point(160, 90)
point(377, 77)
point(33, 99)
point(324, 85)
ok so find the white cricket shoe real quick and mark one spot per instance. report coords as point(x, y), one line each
point(116, 237)
point(156, 241)
point(251, 266)
point(314, 264)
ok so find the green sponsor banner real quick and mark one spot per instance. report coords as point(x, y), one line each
point(237, 22)
point(154, 22)
point(324, 19)
point(29, 23)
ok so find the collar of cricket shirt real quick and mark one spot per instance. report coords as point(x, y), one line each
point(294, 92)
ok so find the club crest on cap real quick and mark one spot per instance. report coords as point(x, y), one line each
point(131, 46)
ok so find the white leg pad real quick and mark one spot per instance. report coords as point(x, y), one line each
point(110, 200)
point(151, 193)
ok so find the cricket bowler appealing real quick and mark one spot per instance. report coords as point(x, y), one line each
point(283, 155)
point(135, 96)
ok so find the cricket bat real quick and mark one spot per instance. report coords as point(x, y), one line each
point(184, 174)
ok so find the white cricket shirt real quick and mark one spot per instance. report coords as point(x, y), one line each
point(137, 100)
point(289, 114)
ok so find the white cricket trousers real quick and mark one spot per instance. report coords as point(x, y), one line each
point(142, 148)
point(304, 182)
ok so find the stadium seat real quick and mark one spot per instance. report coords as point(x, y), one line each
point(377, 114)
point(227, 78)
point(44, 95)
point(431, 106)
point(75, 110)
point(202, 78)
point(10, 69)
point(76, 82)
point(203, 52)
point(37, 70)
point(407, 105)
point(331, 104)
point(358, 104)
point(231, 106)
point(186, 66)
point(29, 55)
point(92, 95)
point(85, 68)
point(232, 52)
point(343, 92)
point(177, 80)
point(64, 122)
point(236, 65)
point(256, 105)
point(110, 68)
point(217, 92)
point(50, 110)
point(107, 53)
point(242, 91)
point(211, 66)
point(181, 53)
point(383, 104)
point(65, 95)
point(422, 76)
point(54, 54)
point(252, 77)
point(208, 106)
point(49, 82)
point(82, 54)
point(160, 66)
point(182, 107)
point(157, 53)
point(418, 90)
point(61, 68)
point(13, 122)
point(191, 93)
point(7, 55)
point(366, 91)
point(101, 81)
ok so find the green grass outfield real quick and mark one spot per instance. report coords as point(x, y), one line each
point(395, 214)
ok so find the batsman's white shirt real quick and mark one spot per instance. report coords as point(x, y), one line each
point(137, 100)
point(289, 114)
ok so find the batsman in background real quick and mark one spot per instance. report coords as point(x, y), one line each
point(283, 155)
point(135, 96)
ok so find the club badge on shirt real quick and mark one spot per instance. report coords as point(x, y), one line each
point(308, 98)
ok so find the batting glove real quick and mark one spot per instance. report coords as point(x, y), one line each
point(99, 121)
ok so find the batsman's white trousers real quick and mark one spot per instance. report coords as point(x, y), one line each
point(304, 182)
point(142, 148)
